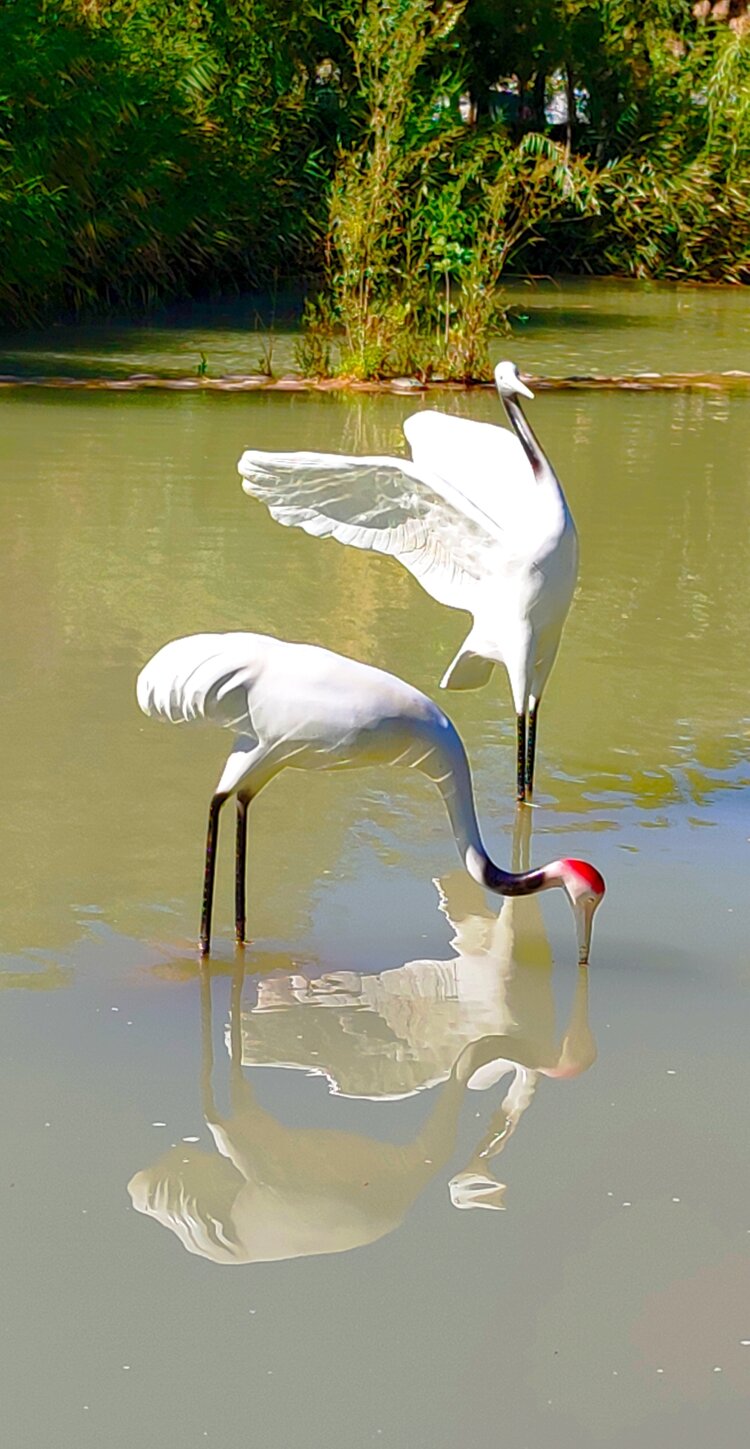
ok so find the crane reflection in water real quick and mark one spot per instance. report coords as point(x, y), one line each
point(272, 1191)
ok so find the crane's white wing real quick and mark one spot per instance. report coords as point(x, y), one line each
point(384, 504)
point(486, 464)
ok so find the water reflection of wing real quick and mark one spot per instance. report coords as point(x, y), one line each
point(382, 1036)
point(389, 1034)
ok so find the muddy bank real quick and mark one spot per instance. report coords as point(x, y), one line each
point(253, 382)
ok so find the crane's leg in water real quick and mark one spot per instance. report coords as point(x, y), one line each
point(236, 1079)
point(521, 847)
point(520, 756)
point(210, 871)
point(531, 748)
point(240, 869)
point(207, 1045)
point(250, 766)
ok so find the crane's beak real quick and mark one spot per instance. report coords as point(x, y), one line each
point(524, 390)
point(584, 910)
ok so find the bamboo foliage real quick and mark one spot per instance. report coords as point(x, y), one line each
point(158, 148)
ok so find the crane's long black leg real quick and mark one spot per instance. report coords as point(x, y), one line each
point(531, 749)
point(521, 756)
point(240, 869)
point(210, 872)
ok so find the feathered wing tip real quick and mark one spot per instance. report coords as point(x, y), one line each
point(467, 671)
point(200, 677)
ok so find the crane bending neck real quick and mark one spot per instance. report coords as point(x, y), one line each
point(448, 767)
point(505, 882)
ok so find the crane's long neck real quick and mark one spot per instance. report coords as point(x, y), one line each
point(540, 464)
point(448, 767)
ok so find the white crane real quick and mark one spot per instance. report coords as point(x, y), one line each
point(302, 706)
point(477, 515)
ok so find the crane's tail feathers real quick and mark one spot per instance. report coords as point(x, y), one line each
point(201, 677)
point(467, 671)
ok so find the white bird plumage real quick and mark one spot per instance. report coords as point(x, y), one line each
point(477, 515)
point(303, 706)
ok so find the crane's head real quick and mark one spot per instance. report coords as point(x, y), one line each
point(584, 887)
point(508, 381)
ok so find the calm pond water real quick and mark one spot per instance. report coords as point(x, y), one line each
point(303, 1201)
point(595, 327)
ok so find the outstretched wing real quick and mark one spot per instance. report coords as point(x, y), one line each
point(384, 504)
point(485, 463)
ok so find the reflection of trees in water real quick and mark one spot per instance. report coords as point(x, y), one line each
point(673, 586)
point(274, 1191)
point(124, 524)
point(663, 521)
